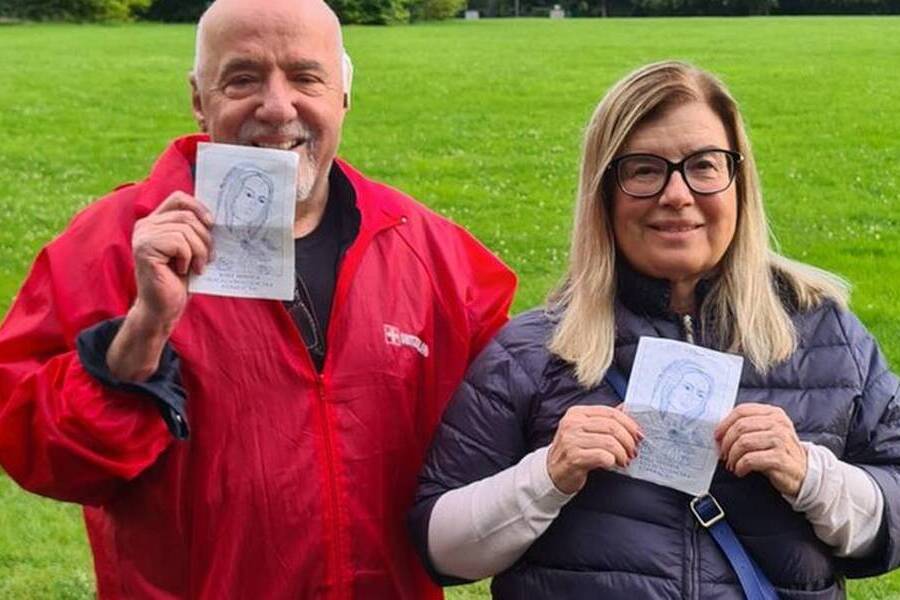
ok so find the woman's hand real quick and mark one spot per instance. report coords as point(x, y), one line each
point(588, 438)
point(761, 438)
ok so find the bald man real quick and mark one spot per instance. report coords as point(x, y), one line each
point(236, 448)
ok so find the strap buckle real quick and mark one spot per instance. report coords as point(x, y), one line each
point(702, 507)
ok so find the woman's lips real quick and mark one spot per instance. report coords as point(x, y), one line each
point(675, 230)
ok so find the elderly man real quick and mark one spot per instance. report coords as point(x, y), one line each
point(307, 420)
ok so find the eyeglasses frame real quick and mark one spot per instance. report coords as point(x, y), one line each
point(671, 167)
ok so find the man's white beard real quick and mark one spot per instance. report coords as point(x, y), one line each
point(308, 167)
point(307, 171)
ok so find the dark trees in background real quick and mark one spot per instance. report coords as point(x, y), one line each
point(387, 12)
point(72, 10)
point(175, 11)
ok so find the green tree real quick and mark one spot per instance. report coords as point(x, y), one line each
point(431, 10)
point(73, 10)
point(175, 11)
point(371, 12)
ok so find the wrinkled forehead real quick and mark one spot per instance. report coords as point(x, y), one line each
point(295, 31)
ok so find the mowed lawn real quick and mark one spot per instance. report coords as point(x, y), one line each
point(482, 121)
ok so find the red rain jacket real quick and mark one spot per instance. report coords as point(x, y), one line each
point(292, 484)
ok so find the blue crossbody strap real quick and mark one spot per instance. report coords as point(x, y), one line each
point(710, 515)
point(617, 382)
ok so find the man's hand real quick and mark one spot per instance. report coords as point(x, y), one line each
point(167, 245)
point(761, 438)
point(588, 438)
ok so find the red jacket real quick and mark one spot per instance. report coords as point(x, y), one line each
point(292, 484)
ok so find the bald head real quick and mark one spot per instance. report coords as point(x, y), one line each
point(223, 17)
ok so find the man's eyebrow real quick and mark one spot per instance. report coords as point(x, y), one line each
point(251, 64)
point(240, 64)
point(305, 65)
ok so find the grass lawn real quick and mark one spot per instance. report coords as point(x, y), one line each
point(482, 121)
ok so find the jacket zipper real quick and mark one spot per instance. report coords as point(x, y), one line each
point(336, 549)
point(687, 323)
point(334, 552)
point(693, 582)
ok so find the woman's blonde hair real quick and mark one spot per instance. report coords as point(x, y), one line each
point(743, 310)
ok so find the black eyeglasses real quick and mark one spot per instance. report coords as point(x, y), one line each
point(705, 172)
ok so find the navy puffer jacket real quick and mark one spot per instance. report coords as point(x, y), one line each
point(625, 538)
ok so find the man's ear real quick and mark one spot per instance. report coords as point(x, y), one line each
point(347, 76)
point(197, 103)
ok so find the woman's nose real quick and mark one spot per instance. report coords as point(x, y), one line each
point(676, 193)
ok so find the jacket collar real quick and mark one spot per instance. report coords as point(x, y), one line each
point(649, 296)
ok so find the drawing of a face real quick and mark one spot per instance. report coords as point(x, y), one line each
point(245, 196)
point(252, 201)
point(683, 388)
point(690, 394)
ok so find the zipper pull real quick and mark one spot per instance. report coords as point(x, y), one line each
point(688, 323)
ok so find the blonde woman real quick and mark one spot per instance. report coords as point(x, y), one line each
point(670, 240)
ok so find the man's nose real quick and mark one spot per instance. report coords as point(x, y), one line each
point(277, 106)
point(676, 193)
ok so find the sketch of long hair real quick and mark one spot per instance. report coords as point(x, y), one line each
point(245, 195)
point(683, 385)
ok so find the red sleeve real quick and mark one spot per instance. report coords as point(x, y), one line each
point(489, 294)
point(62, 434)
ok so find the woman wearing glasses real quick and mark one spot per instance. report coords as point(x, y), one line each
point(670, 240)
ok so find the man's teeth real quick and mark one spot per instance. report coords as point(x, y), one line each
point(278, 146)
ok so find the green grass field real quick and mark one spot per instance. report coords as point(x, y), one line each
point(481, 121)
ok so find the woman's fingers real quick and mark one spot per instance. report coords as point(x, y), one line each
point(741, 411)
point(747, 443)
point(745, 426)
point(762, 439)
point(588, 438)
point(598, 429)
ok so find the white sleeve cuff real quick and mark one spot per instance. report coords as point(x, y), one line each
point(484, 527)
point(841, 501)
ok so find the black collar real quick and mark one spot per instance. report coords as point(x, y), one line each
point(649, 296)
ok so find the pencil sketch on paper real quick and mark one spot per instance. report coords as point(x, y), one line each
point(252, 193)
point(678, 394)
point(243, 208)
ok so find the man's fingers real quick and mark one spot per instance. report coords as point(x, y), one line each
point(163, 221)
point(181, 201)
point(181, 255)
point(176, 240)
point(179, 247)
point(199, 250)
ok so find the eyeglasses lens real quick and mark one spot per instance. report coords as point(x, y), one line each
point(705, 173)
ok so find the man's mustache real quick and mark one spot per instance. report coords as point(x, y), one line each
point(253, 130)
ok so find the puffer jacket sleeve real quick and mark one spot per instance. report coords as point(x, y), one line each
point(483, 431)
point(63, 434)
point(873, 443)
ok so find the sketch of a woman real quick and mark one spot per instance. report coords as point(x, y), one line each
point(683, 389)
point(243, 207)
point(678, 437)
point(246, 197)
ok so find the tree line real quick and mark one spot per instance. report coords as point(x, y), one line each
point(386, 12)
